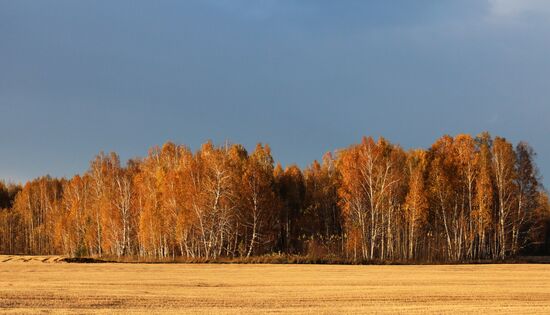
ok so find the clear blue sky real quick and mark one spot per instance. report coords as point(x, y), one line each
point(308, 76)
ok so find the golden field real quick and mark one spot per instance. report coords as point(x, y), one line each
point(37, 284)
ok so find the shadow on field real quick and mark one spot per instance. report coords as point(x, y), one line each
point(294, 260)
point(265, 259)
point(85, 260)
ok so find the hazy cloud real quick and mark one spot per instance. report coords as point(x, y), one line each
point(255, 10)
point(511, 8)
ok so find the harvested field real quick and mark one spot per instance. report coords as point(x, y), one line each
point(32, 287)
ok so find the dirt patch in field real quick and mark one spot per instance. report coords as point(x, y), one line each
point(31, 259)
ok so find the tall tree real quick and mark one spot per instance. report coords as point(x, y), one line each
point(483, 213)
point(416, 203)
point(291, 188)
point(258, 187)
point(527, 183)
point(504, 161)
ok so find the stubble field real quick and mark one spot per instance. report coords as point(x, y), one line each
point(37, 284)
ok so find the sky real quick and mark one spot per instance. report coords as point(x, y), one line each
point(306, 77)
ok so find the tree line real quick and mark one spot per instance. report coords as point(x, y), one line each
point(463, 199)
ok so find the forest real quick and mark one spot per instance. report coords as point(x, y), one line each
point(463, 199)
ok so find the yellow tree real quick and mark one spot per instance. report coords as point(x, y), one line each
point(214, 199)
point(111, 193)
point(527, 184)
point(156, 202)
point(9, 220)
point(482, 215)
point(258, 186)
point(291, 189)
point(370, 178)
point(416, 203)
point(322, 221)
point(35, 205)
point(73, 217)
point(169, 177)
point(443, 180)
point(504, 161)
point(467, 158)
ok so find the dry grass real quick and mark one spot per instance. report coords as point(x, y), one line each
point(33, 287)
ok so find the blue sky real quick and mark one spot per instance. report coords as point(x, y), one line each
point(304, 76)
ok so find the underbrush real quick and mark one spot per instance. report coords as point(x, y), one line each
point(264, 259)
point(291, 259)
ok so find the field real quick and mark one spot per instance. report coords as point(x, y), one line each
point(35, 284)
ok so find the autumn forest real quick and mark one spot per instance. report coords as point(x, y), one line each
point(463, 199)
